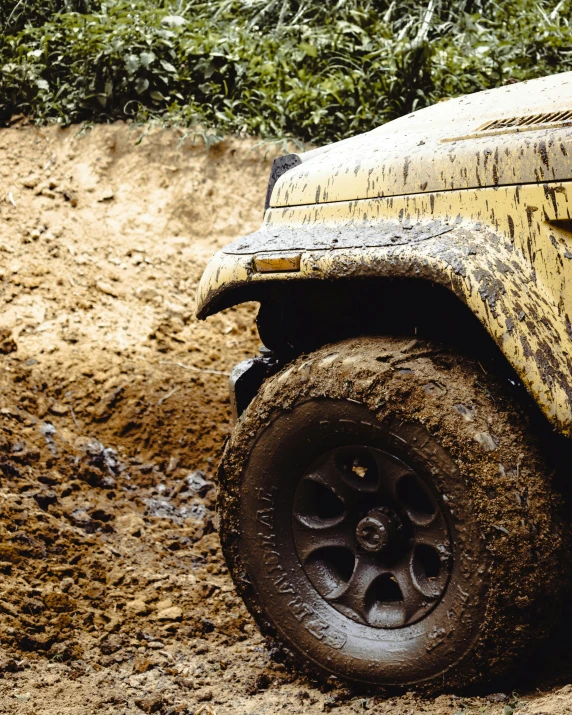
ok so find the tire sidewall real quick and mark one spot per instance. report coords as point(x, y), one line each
point(279, 455)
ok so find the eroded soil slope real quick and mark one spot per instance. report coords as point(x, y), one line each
point(113, 594)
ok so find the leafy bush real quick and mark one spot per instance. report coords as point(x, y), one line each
point(273, 68)
point(15, 14)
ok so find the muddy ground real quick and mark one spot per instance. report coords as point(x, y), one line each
point(114, 597)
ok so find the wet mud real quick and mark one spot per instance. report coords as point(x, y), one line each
point(114, 596)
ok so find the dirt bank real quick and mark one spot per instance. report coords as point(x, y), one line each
point(113, 594)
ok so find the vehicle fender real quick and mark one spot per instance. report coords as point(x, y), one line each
point(493, 278)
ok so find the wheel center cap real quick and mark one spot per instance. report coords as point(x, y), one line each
point(375, 531)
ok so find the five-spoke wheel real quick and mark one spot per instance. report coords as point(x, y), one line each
point(371, 536)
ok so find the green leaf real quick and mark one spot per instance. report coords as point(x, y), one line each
point(168, 66)
point(142, 85)
point(147, 58)
point(173, 21)
point(132, 63)
point(310, 50)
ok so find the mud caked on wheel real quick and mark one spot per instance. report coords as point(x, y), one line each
point(388, 518)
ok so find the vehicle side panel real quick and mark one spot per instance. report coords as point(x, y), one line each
point(504, 251)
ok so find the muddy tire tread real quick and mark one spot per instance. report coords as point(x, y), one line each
point(477, 419)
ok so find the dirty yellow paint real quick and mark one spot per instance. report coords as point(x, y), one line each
point(442, 148)
point(489, 217)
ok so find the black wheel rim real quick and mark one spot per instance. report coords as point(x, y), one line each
point(371, 537)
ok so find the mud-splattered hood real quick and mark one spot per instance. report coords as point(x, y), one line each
point(517, 134)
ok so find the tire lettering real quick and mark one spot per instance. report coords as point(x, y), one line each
point(265, 517)
point(317, 627)
point(299, 609)
point(302, 612)
point(267, 496)
point(285, 587)
point(347, 427)
point(267, 539)
point(272, 560)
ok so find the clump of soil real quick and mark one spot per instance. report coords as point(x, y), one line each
point(114, 597)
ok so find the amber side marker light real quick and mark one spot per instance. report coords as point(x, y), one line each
point(277, 262)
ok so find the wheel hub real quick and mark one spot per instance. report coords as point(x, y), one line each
point(371, 537)
point(378, 530)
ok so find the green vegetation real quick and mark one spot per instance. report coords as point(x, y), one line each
point(307, 69)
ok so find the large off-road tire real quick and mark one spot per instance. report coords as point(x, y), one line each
point(388, 518)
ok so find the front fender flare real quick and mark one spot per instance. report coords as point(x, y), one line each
point(475, 263)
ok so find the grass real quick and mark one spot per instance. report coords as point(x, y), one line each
point(276, 69)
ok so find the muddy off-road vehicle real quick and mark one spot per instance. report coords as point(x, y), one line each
point(387, 512)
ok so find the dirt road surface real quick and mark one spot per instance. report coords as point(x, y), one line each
point(114, 597)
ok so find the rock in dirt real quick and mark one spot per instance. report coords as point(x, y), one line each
point(141, 664)
point(156, 645)
point(258, 683)
point(107, 289)
point(486, 441)
point(198, 484)
point(24, 697)
point(205, 709)
point(10, 665)
point(81, 518)
point(8, 608)
point(115, 576)
point(174, 613)
point(137, 608)
point(132, 524)
point(105, 194)
point(36, 641)
point(497, 697)
point(59, 602)
point(31, 181)
point(64, 652)
point(7, 342)
point(58, 409)
point(152, 703)
point(111, 644)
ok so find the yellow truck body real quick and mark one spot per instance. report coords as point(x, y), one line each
point(473, 194)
